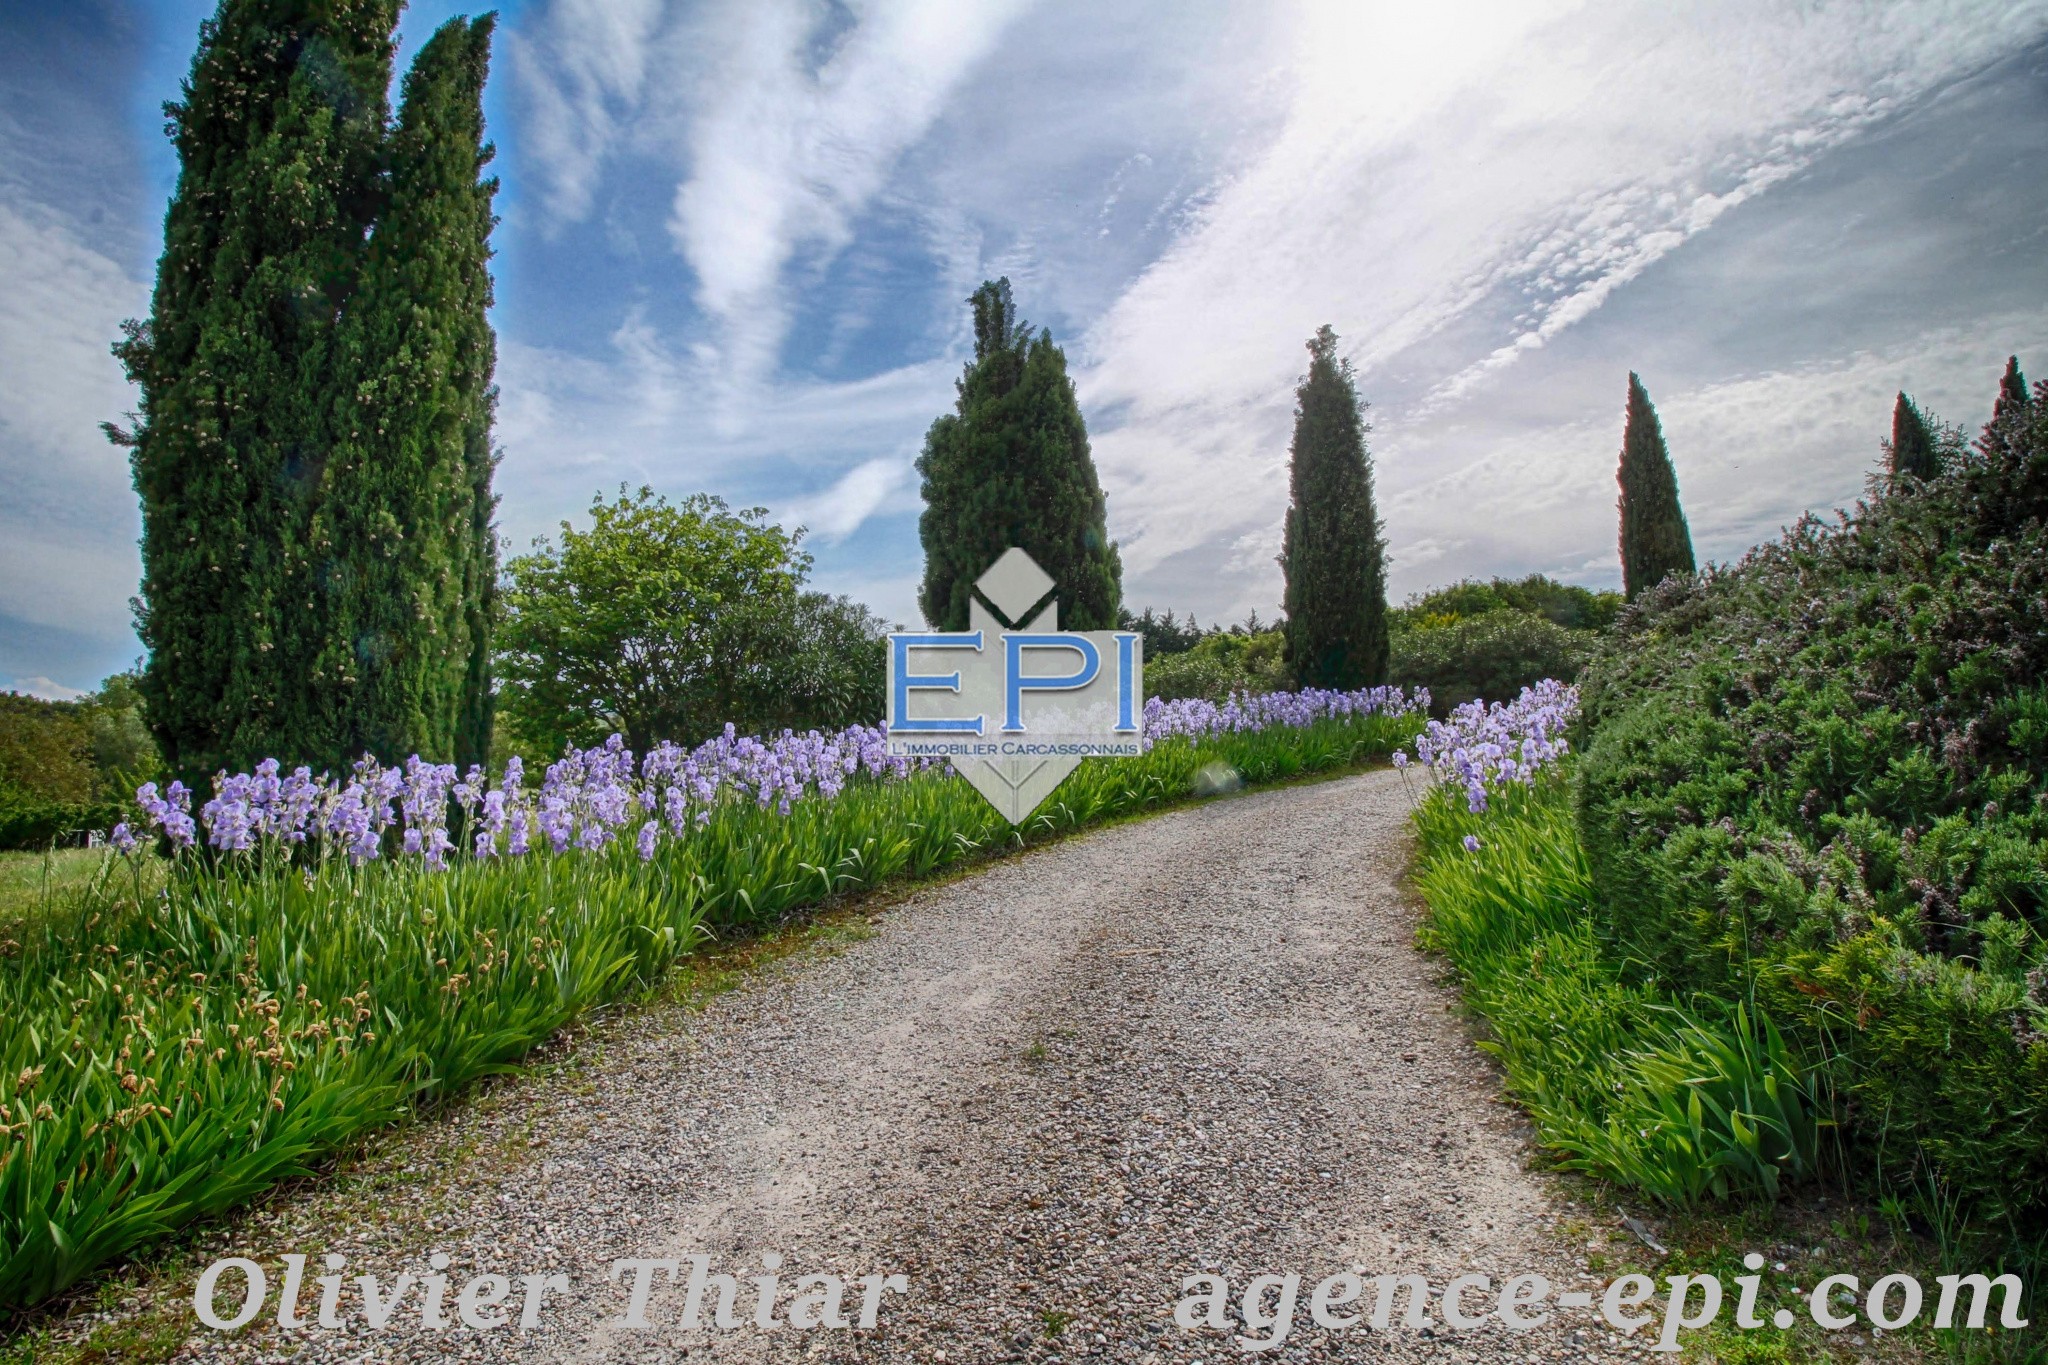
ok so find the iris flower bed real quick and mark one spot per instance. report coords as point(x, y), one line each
point(1686, 1099)
point(330, 954)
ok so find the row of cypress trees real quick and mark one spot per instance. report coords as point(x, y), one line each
point(313, 446)
point(1654, 538)
point(1919, 448)
point(1011, 466)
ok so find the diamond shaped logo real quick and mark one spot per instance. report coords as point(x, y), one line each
point(1015, 705)
point(1013, 585)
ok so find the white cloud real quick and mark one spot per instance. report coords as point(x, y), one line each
point(583, 70)
point(839, 511)
point(67, 512)
point(785, 153)
point(1751, 453)
point(1436, 163)
point(45, 688)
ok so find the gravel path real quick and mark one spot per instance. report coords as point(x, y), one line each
point(1043, 1094)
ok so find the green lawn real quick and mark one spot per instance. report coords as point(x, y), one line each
point(33, 885)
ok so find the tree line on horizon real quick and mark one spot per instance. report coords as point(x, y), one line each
point(314, 460)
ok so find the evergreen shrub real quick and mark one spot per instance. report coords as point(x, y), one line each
point(1815, 780)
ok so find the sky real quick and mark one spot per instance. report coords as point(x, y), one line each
point(738, 237)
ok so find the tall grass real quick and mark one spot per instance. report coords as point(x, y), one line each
point(172, 1050)
point(1685, 1100)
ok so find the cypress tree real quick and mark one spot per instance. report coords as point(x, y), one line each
point(2008, 413)
point(404, 556)
point(1333, 556)
point(1010, 466)
point(1912, 447)
point(312, 255)
point(1654, 539)
point(279, 135)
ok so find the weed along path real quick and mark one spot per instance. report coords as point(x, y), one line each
point(1043, 1095)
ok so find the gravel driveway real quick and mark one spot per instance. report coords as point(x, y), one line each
point(1043, 1094)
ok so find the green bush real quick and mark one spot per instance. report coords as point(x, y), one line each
point(1683, 1098)
point(1818, 777)
point(69, 766)
point(1490, 657)
point(1566, 604)
point(1221, 663)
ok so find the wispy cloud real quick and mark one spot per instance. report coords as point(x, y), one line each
point(839, 511)
point(583, 68)
point(67, 520)
point(1497, 172)
point(46, 688)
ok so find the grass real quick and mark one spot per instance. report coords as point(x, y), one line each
point(182, 1047)
point(39, 886)
point(1696, 1103)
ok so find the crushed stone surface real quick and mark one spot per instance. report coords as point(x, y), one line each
point(1044, 1094)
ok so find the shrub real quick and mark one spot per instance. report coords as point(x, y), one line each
point(64, 765)
point(1219, 664)
point(1818, 778)
point(1489, 657)
point(1567, 604)
point(1683, 1098)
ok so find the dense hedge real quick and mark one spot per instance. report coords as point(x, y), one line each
point(1816, 779)
point(28, 821)
point(1486, 658)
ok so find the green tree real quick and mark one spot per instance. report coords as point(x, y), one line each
point(279, 137)
point(1334, 556)
point(1654, 539)
point(643, 624)
point(248, 452)
point(2008, 413)
point(805, 661)
point(404, 559)
point(1010, 466)
point(1567, 604)
point(1913, 454)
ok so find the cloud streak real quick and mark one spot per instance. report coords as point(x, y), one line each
point(1446, 171)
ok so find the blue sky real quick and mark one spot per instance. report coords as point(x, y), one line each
point(737, 239)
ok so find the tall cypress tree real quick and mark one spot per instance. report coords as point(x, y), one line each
point(1654, 539)
point(279, 136)
point(279, 291)
point(1010, 466)
point(1912, 449)
point(1334, 557)
point(405, 560)
point(2008, 412)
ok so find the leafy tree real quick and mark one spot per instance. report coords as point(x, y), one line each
point(1334, 557)
point(807, 661)
point(643, 623)
point(1010, 466)
point(1487, 656)
point(263, 538)
point(1912, 449)
point(1654, 539)
point(1220, 663)
point(404, 552)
